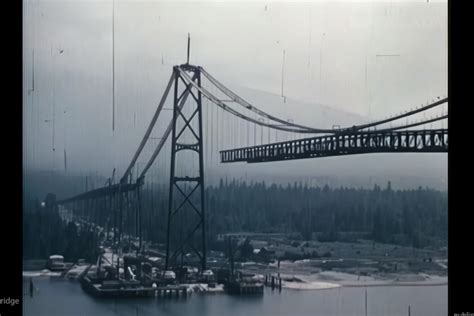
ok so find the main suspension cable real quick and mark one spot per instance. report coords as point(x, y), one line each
point(254, 109)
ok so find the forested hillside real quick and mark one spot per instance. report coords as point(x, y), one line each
point(406, 217)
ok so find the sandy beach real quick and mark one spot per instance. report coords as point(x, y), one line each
point(332, 279)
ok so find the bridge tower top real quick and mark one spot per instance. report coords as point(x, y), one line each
point(189, 47)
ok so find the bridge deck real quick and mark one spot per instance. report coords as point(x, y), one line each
point(101, 192)
point(414, 141)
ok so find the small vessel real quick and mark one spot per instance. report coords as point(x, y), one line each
point(115, 288)
point(76, 271)
point(243, 285)
point(56, 263)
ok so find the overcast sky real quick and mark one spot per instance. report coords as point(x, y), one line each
point(335, 55)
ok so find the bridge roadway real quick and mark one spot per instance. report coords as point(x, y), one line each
point(413, 141)
point(102, 192)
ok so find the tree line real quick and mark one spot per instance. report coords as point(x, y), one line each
point(415, 217)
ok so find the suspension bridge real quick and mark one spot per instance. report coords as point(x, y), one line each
point(118, 205)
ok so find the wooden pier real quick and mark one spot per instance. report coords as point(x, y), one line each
point(273, 281)
point(171, 291)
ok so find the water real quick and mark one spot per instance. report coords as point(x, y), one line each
point(63, 297)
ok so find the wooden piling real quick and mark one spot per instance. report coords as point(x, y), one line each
point(366, 302)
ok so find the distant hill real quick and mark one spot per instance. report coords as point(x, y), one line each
point(310, 114)
point(403, 170)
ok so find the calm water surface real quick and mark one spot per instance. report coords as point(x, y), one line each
point(63, 297)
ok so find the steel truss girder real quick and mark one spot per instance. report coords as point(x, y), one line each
point(414, 141)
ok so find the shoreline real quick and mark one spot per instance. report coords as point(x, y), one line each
point(330, 280)
point(285, 286)
point(318, 282)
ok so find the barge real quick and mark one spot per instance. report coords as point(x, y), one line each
point(240, 287)
point(115, 288)
point(243, 284)
point(100, 287)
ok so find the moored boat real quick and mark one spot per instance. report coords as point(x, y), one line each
point(115, 288)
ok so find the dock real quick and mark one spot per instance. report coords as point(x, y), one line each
point(242, 288)
point(124, 289)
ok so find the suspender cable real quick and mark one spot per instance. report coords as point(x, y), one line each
point(150, 128)
point(252, 108)
point(113, 65)
point(226, 108)
point(212, 130)
point(217, 128)
point(168, 130)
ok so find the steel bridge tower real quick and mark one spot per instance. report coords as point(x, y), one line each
point(189, 190)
